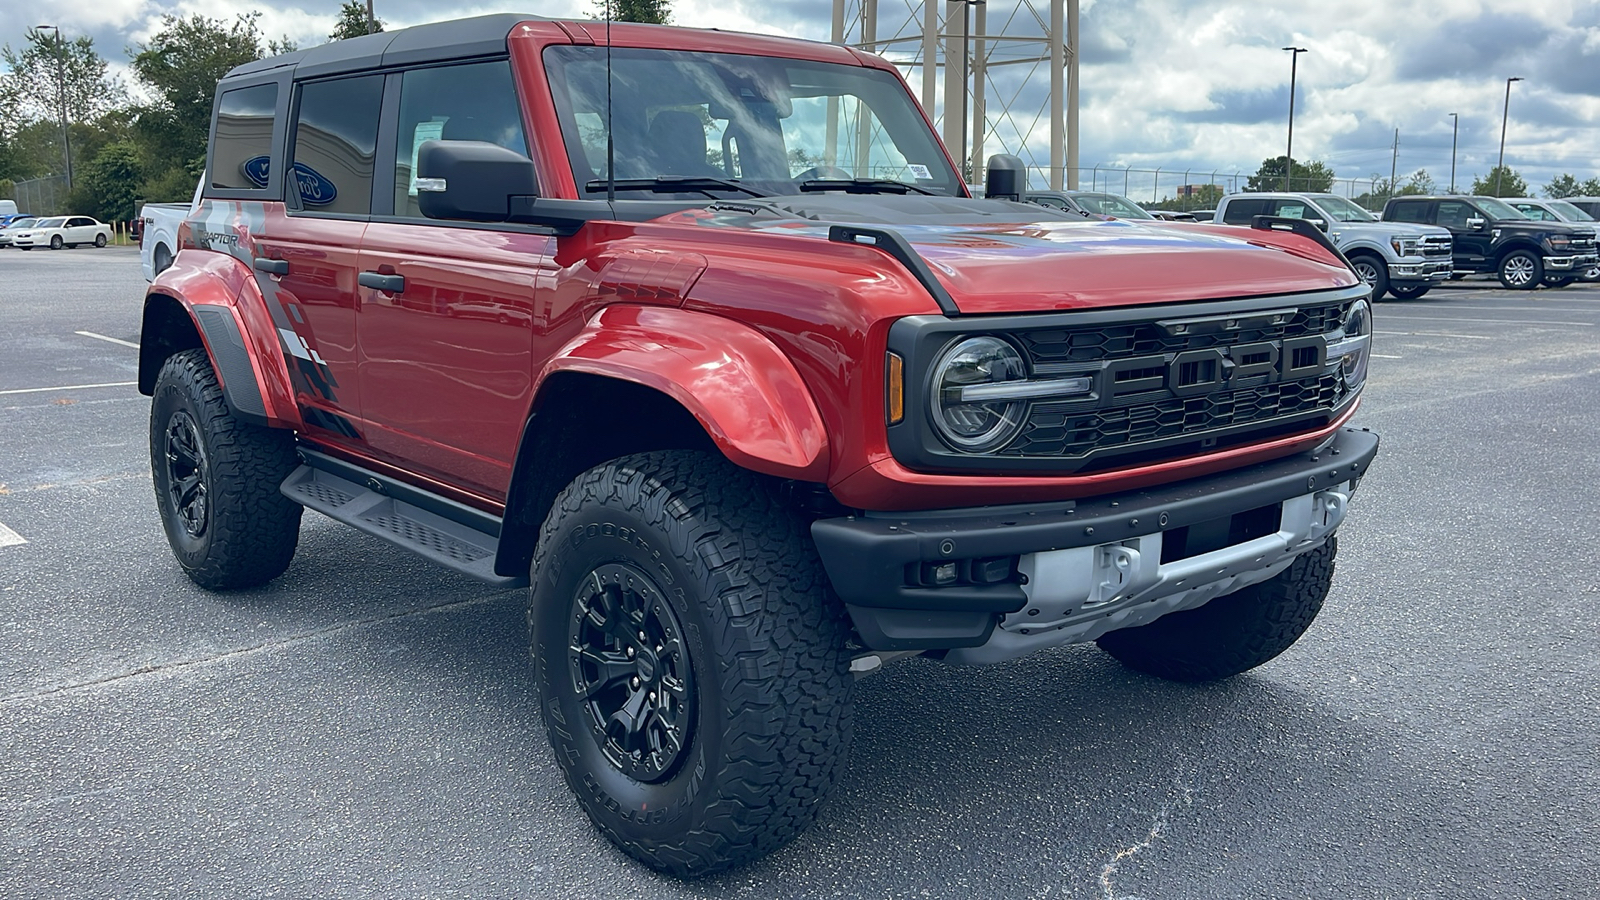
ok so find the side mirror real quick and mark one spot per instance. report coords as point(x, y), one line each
point(1006, 178)
point(1320, 223)
point(1476, 223)
point(471, 180)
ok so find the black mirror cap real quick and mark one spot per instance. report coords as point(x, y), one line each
point(471, 180)
point(1006, 178)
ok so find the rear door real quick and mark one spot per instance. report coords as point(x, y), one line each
point(447, 319)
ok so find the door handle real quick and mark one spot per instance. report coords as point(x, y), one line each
point(389, 284)
point(271, 266)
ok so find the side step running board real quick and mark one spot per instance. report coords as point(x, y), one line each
point(464, 539)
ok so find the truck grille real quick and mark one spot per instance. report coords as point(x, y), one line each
point(1434, 245)
point(1052, 349)
point(1583, 242)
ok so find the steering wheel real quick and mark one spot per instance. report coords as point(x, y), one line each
point(829, 173)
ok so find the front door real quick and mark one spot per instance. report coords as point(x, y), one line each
point(1471, 243)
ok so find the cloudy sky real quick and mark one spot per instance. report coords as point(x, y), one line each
point(1186, 86)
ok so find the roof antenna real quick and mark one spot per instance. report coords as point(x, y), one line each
point(611, 150)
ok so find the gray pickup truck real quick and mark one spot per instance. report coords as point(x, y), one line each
point(1401, 259)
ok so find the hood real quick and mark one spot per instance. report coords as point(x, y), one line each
point(1403, 228)
point(996, 256)
point(1526, 226)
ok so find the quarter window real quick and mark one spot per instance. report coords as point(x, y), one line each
point(243, 142)
point(335, 144)
point(474, 102)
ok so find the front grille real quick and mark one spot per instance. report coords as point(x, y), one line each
point(1055, 347)
point(1435, 246)
point(1582, 242)
point(1054, 430)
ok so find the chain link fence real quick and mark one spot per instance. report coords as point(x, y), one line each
point(45, 196)
point(1190, 188)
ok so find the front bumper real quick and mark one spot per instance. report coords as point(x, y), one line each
point(1090, 566)
point(1568, 263)
point(1431, 271)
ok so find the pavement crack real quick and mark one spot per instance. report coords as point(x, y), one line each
point(264, 647)
point(1157, 829)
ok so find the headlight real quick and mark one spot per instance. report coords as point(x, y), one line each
point(1354, 347)
point(966, 418)
point(1404, 246)
point(1560, 240)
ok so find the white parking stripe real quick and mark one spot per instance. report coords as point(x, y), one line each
point(9, 538)
point(1492, 321)
point(1467, 337)
point(68, 387)
point(101, 337)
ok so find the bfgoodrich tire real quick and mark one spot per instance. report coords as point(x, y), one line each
point(217, 479)
point(691, 660)
point(1233, 633)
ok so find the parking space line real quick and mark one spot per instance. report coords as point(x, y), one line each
point(1492, 321)
point(101, 337)
point(1468, 337)
point(68, 387)
point(9, 538)
point(1385, 356)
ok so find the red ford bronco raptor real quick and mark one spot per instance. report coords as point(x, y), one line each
point(700, 337)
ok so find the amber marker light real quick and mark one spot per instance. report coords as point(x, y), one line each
point(895, 374)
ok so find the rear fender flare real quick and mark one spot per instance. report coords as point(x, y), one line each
point(218, 296)
point(741, 388)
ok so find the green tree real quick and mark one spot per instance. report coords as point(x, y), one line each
point(1589, 188)
point(1510, 183)
point(650, 12)
point(1419, 182)
point(353, 21)
point(1313, 176)
point(105, 187)
point(1563, 185)
point(49, 70)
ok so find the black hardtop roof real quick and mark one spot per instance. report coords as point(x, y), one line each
point(456, 39)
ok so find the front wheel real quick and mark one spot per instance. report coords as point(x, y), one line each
point(690, 658)
point(1373, 271)
point(55, 242)
point(1408, 292)
point(1233, 633)
point(217, 479)
point(1559, 282)
point(1521, 270)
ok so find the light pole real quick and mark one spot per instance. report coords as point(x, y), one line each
point(1505, 114)
point(370, 20)
point(1455, 129)
point(61, 94)
point(1288, 153)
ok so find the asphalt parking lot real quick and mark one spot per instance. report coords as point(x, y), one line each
point(364, 725)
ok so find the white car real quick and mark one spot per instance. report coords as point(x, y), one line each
point(21, 223)
point(63, 231)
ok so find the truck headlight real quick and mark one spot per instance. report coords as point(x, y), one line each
point(1403, 246)
point(976, 421)
point(1560, 241)
point(1354, 347)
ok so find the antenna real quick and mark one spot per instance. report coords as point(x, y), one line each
point(611, 149)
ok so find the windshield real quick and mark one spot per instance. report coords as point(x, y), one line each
point(1343, 210)
point(1496, 209)
point(771, 125)
point(1569, 212)
point(1111, 205)
point(22, 223)
point(52, 223)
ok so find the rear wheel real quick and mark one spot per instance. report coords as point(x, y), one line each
point(99, 240)
point(1233, 633)
point(691, 660)
point(216, 481)
point(1409, 292)
point(163, 259)
point(1521, 270)
point(1373, 271)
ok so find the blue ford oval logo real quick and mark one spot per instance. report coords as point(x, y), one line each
point(314, 189)
point(256, 170)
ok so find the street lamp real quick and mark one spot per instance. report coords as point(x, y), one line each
point(1455, 129)
point(1500, 167)
point(1288, 154)
point(61, 94)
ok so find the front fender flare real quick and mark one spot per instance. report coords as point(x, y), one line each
point(741, 388)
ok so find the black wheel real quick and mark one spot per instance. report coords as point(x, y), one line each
point(217, 479)
point(99, 240)
point(1559, 282)
point(1372, 270)
point(1521, 270)
point(691, 661)
point(55, 242)
point(1409, 291)
point(1233, 633)
point(27, 248)
point(163, 259)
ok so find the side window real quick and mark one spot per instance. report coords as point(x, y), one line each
point(1453, 214)
point(1240, 212)
point(335, 144)
point(243, 142)
point(1414, 212)
point(1291, 209)
point(1052, 202)
point(474, 102)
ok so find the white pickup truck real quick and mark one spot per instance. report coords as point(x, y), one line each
point(158, 233)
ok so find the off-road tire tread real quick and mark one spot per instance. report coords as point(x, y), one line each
point(1233, 633)
point(787, 699)
point(253, 528)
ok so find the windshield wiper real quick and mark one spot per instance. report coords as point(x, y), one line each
point(864, 186)
point(672, 184)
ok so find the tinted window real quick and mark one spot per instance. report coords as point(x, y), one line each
point(1410, 212)
point(474, 102)
point(335, 143)
point(1240, 212)
point(244, 133)
point(1454, 214)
